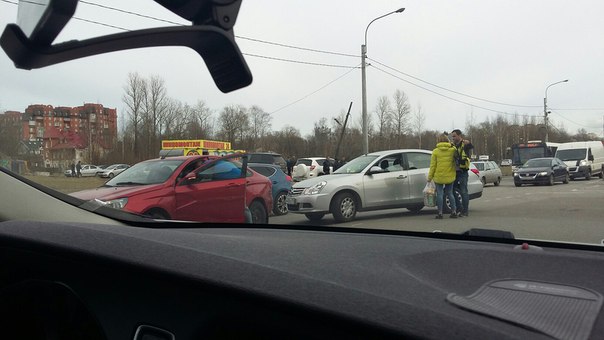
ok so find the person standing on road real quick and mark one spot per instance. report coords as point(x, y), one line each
point(79, 169)
point(442, 172)
point(326, 165)
point(463, 150)
point(73, 169)
point(290, 165)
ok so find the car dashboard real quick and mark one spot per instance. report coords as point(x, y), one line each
point(89, 281)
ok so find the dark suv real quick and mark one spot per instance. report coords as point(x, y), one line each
point(267, 158)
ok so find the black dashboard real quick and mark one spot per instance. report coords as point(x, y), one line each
point(79, 281)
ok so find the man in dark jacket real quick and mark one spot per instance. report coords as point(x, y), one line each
point(463, 151)
point(326, 165)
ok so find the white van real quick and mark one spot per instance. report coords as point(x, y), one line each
point(584, 159)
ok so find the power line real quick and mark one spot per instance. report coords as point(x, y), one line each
point(237, 36)
point(451, 98)
point(131, 13)
point(298, 62)
point(583, 109)
point(581, 125)
point(446, 89)
point(100, 23)
point(297, 47)
point(319, 89)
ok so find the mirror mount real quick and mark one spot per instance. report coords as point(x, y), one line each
point(216, 46)
point(220, 13)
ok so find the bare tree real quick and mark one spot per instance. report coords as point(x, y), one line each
point(202, 118)
point(383, 112)
point(176, 118)
point(233, 123)
point(260, 125)
point(155, 107)
point(419, 120)
point(400, 116)
point(134, 98)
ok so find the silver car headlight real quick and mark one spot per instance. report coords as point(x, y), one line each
point(119, 203)
point(515, 174)
point(315, 189)
point(542, 173)
point(583, 163)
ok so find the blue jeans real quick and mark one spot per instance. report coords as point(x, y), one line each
point(461, 184)
point(440, 198)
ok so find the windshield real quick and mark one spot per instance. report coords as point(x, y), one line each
point(537, 163)
point(151, 172)
point(521, 155)
point(571, 154)
point(341, 87)
point(356, 165)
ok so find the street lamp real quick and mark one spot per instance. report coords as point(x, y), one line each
point(545, 107)
point(364, 83)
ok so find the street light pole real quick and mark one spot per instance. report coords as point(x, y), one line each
point(364, 84)
point(545, 113)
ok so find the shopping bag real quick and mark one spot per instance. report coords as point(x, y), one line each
point(430, 194)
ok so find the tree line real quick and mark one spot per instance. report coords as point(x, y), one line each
point(151, 116)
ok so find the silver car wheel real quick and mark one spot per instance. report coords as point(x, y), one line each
point(280, 204)
point(347, 207)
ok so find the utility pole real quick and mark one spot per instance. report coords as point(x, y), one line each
point(545, 112)
point(343, 130)
point(365, 127)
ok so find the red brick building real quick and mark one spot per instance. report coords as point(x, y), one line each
point(68, 134)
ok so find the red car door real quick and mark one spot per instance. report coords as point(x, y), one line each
point(216, 193)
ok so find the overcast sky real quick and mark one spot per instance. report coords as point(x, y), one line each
point(477, 53)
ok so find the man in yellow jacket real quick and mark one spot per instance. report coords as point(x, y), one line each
point(442, 172)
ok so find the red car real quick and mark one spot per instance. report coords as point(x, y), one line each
point(191, 188)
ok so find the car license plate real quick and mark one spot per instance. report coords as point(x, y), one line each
point(290, 200)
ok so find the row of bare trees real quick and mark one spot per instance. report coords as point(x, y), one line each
point(151, 115)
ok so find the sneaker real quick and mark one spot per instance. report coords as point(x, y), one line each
point(453, 215)
point(465, 214)
point(439, 217)
point(459, 214)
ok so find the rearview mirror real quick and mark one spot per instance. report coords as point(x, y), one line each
point(42, 20)
point(31, 48)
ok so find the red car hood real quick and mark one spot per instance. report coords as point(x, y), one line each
point(110, 193)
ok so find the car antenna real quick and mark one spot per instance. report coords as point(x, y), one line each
point(167, 154)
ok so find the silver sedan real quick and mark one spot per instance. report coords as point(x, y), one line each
point(379, 180)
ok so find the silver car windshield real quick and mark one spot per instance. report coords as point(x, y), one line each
point(356, 165)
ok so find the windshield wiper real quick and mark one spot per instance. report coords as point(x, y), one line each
point(130, 183)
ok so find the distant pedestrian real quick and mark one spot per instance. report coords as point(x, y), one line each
point(79, 169)
point(336, 164)
point(326, 165)
point(73, 169)
point(290, 166)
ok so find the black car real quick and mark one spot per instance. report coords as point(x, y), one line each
point(545, 170)
point(268, 158)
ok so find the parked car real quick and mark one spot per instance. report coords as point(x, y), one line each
point(489, 172)
point(546, 170)
point(281, 184)
point(379, 180)
point(267, 158)
point(506, 162)
point(88, 170)
point(192, 188)
point(113, 170)
point(309, 167)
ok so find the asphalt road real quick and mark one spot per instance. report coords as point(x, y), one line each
point(571, 212)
